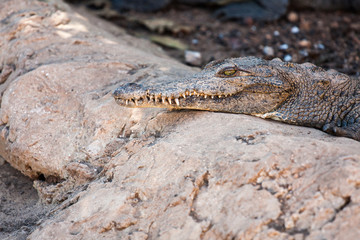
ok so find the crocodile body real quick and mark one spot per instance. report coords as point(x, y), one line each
point(300, 94)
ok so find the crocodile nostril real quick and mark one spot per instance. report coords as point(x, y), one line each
point(130, 86)
point(127, 88)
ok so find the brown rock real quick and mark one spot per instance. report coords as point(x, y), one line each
point(118, 173)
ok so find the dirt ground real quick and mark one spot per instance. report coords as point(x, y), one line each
point(327, 39)
point(20, 208)
point(330, 40)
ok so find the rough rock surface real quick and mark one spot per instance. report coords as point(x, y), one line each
point(113, 172)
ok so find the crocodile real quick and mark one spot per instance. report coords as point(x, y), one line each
point(299, 94)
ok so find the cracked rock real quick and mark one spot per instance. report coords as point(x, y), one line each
point(119, 173)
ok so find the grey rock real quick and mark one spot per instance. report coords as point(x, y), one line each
point(327, 5)
point(140, 5)
point(265, 10)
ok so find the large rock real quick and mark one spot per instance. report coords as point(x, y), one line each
point(218, 176)
point(60, 72)
point(118, 173)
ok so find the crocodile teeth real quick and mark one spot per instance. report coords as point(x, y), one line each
point(187, 93)
point(219, 96)
point(163, 99)
point(169, 99)
point(184, 95)
point(177, 101)
point(205, 96)
point(212, 96)
point(136, 102)
point(126, 101)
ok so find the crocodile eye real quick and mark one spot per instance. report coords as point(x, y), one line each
point(228, 72)
point(233, 72)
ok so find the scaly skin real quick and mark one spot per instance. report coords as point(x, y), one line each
point(300, 94)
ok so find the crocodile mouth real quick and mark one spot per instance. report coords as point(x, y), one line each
point(247, 99)
point(174, 101)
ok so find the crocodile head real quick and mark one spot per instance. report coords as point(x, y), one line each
point(239, 85)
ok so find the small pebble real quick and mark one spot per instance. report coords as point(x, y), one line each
point(295, 30)
point(268, 51)
point(287, 58)
point(304, 43)
point(284, 46)
point(334, 24)
point(193, 58)
point(253, 28)
point(304, 53)
point(276, 33)
point(293, 17)
point(195, 41)
point(319, 46)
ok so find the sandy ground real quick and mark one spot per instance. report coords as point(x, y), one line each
point(20, 208)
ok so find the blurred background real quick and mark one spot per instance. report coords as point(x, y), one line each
point(323, 32)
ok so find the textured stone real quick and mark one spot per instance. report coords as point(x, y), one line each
point(201, 180)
